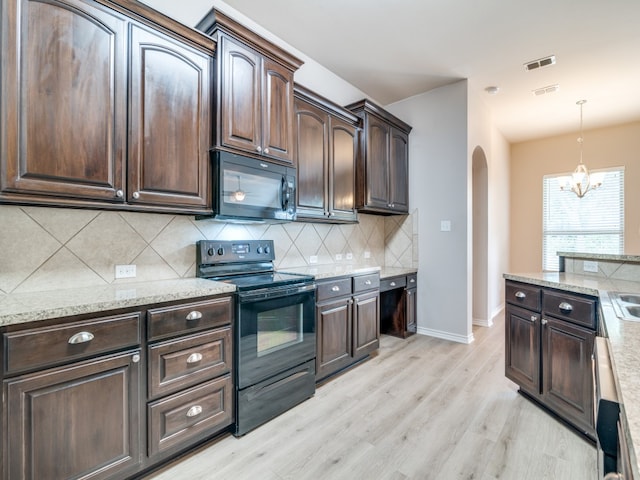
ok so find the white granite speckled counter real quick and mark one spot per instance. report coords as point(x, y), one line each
point(320, 272)
point(624, 337)
point(387, 272)
point(18, 308)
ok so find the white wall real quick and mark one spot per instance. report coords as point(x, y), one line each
point(438, 189)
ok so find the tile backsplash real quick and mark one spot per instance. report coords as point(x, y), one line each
point(45, 248)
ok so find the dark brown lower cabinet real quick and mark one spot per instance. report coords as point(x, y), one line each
point(550, 357)
point(398, 305)
point(347, 322)
point(567, 382)
point(75, 421)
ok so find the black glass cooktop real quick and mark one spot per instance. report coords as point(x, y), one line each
point(264, 280)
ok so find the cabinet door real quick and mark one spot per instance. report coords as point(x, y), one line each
point(522, 348)
point(77, 421)
point(342, 181)
point(399, 171)
point(170, 122)
point(333, 337)
point(311, 156)
point(239, 96)
point(567, 385)
point(411, 306)
point(63, 109)
point(376, 166)
point(277, 111)
point(366, 323)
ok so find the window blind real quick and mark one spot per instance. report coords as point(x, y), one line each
point(593, 223)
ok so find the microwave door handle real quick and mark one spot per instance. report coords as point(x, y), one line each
point(285, 194)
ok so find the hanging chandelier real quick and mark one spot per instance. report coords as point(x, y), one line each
point(580, 182)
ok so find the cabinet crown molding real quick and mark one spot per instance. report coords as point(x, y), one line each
point(367, 106)
point(216, 22)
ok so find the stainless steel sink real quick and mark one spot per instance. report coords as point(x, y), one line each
point(626, 305)
point(629, 298)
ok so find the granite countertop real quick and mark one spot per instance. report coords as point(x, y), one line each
point(18, 308)
point(624, 338)
point(388, 272)
point(320, 272)
point(601, 256)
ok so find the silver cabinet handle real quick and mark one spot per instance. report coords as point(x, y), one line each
point(194, 358)
point(135, 358)
point(367, 282)
point(136, 195)
point(194, 315)
point(534, 318)
point(413, 280)
point(544, 321)
point(266, 150)
point(520, 294)
point(392, 284)
point(81, 337)
point(194, 411)
point(567, 307)
point(335, 288)
point(258, 149)
point(119, 193)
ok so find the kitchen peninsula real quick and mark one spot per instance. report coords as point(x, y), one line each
point(614, 273)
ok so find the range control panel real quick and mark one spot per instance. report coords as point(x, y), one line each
point(211, 252)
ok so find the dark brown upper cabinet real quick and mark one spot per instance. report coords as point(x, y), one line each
point(382, 183)
point(254, 91)
point(325, 155)
point(104, 105)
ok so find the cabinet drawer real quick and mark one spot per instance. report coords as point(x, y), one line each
point(391, 283)
point(176, 364)
point(333, 289)
point(578, 310)
point(39, 347)
point(362, 283)
point(191, 415)
point(527, 296)
point(188, 317)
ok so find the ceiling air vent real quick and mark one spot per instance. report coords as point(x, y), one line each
point(547, 89)
point(539, 63)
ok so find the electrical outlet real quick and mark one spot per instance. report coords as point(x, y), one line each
point(125, 271)
point(338, 256)
point(313, 259)
point(349, 256)
point(367, 254)
point(589, 266)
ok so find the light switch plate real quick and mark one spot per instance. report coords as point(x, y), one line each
point(445, 225)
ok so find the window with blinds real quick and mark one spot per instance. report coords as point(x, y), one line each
point(592, 224)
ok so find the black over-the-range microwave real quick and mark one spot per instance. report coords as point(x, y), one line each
point(252, 189)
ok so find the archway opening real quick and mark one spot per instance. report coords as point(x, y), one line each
point(480, 192)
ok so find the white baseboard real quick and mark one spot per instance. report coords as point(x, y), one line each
point(497, 311)
point(483, 322)
point(446, 335)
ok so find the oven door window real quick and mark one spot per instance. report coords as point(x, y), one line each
point(278, 329)
point(275, 334)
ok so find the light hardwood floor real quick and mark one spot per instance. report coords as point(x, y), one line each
point(422, 408)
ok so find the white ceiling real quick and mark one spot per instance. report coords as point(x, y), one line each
point(397, 49)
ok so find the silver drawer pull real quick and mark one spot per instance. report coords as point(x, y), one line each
point(335, 288)
point(194, 358)
point(521, 295)
point(194, 411)
point(81, 337)
point(392, 284)
point(413, 280)
point(567, 307)
point(194, 315)
point(368, 282)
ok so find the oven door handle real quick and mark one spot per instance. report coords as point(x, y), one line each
point(277, 292)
